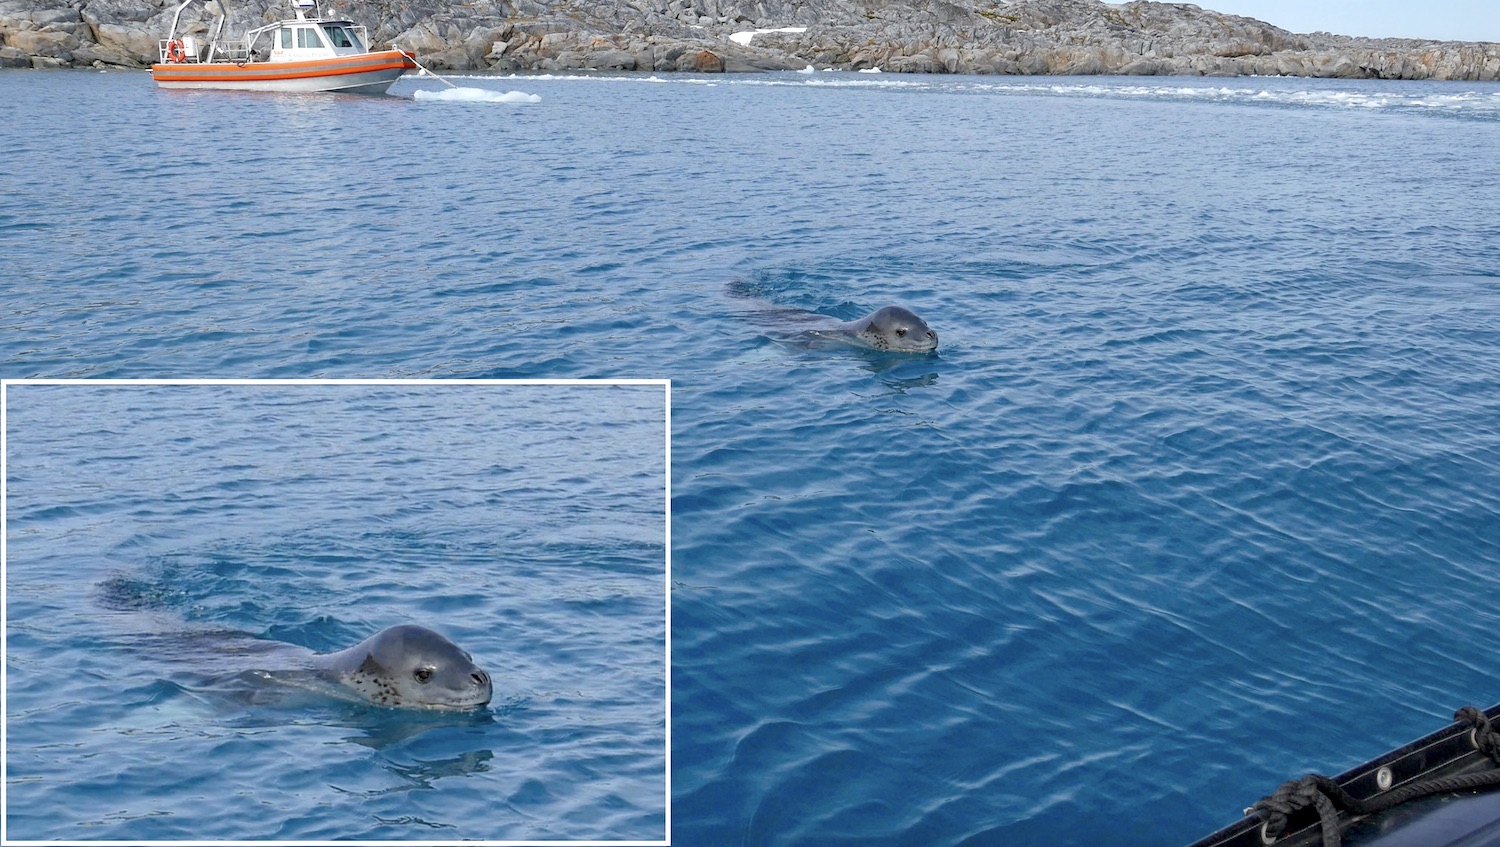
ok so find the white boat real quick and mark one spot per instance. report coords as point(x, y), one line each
point(305, 53)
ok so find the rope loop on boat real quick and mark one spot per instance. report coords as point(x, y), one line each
point(1294, 796)
point(1329, 798)
point(1484, 738)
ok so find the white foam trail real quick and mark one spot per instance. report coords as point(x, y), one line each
point(1364, 97)
point(1430, 98)
point(476, 95)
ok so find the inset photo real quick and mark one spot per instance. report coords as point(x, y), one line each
point(328, 611)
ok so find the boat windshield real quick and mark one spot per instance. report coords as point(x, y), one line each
point(342, 36)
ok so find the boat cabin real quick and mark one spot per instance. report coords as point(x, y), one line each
point(305, 38)
point(294, 41)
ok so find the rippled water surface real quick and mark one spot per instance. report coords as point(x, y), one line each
point(170, 545)
point(1200, 492)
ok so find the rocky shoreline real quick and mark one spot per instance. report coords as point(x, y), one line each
point(1031, 37)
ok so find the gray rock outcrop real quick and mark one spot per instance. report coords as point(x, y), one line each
point(914, 36)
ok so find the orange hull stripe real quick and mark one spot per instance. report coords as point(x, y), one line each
point(257, 71)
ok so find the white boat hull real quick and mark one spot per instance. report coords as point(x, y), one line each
point(365, 73)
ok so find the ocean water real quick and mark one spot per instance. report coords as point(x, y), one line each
point(1201, 491)
point(161, 537)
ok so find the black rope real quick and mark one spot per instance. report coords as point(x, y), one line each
point(1486, 740)
point(1294, 796)
point(1328, 797)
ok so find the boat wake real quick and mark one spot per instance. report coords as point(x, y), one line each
point(476, 95)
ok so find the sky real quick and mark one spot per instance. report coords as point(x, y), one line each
point(1449, 20)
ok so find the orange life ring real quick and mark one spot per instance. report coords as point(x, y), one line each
point(175, 52)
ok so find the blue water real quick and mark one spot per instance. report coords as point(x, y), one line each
point(1200, 492)
point(153, 530)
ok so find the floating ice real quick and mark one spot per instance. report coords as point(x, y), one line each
point(477, 95)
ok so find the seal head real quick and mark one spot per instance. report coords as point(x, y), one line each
point(892, 328)
point(410, 667)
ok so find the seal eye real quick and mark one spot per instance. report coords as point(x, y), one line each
point(901, 333)
point(423, 674)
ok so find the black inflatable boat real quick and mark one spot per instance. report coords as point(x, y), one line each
point(1433, 792)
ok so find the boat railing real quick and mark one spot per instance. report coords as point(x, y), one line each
point(230, 50)
point(188, 50)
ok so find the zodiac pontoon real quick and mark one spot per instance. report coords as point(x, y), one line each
point(1424, 794)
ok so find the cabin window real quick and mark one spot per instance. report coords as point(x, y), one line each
point(338, 36)
point(308, 37)
point(286, 39)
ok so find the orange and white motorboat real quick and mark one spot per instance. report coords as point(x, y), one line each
point(305, 53)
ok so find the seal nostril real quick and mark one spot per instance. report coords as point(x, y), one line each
point(479, 677)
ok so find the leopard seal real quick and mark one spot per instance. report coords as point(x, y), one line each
point(891, 328)
point(404, 666)
point(408, 666)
